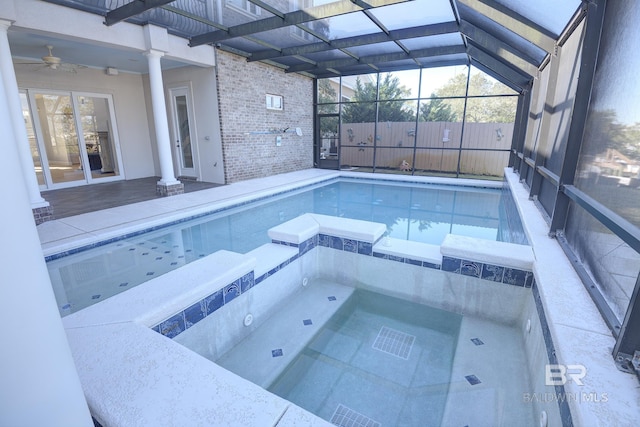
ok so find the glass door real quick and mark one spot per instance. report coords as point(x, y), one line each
point(329, 141)
point(60, 149)
point(182, 133)
point(72, 137)
point(98, 136)
point(34, 148)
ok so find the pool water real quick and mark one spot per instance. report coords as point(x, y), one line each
point(379, 360)
point(418, 212)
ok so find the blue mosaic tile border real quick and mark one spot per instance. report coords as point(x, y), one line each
point(183, 320)
point(407, 260)
point(491, 272)
point(426, 184)
point(188, 317)
point(191, 315)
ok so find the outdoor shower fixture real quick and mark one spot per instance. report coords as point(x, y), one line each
point(276, 131)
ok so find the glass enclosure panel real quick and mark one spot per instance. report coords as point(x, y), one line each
point(399, 85)
point(329, 141)
point(551, 14)
point(444, 81)
point(97, 133)
point(609, 165)
point(60, 139)
point(481, 83)
point(612, 264)
point(328, 90)
point(441, 110)
point(436, 161)
point(347, 25)
point(438, 136)
point(493, 109)
point(394, 160)
point(33, 142)
point(483, 164)
point(411, 14)
point(358, 159)
point(397, 111)
point(359, 88)
point(560, 120)
point(358, 135)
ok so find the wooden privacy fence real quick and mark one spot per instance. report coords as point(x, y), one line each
point(437, 143)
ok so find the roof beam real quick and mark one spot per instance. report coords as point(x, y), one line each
point(379, 59)
point(514, 22)
point(499, 48)
point(347, 42)
point(497, 76)
point(128, 10)
point(500, 68)
point(290, 18)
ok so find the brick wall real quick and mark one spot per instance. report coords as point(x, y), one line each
point(242, 87)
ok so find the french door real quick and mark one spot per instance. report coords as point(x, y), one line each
point(72, 137)
point(183, 136)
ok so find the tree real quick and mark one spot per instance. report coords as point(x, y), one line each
point(326, 97)
point(495, 109)
point(391, 108)
point(436, 110)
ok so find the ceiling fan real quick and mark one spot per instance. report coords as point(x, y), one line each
point(52, 62)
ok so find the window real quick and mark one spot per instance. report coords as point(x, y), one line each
point(245, 6)
point(275, 102)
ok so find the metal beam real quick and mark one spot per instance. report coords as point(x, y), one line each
point(520, 130)
point(290, 18)
point(482, 67)
point(347, 42)
point(514, 22)
point(128, 10)
point(377, 59)
point(499, 48)
point(500, 68)
point(321, 74)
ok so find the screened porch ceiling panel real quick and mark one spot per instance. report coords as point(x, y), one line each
point(508, 39)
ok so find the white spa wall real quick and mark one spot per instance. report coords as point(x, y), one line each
point(39, 384)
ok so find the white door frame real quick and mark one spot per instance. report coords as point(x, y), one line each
point(49, 184)
point(176, 142)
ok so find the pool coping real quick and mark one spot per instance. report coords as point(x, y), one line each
point(575, 326)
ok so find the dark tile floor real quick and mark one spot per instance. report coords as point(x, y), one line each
point(89, 198)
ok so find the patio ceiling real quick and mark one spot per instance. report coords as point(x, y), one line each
point(508, 39)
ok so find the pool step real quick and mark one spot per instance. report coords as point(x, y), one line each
point(264, 354)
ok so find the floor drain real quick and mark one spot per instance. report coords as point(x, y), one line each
point(394, 342)
point(346, 417)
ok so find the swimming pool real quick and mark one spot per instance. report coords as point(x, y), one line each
point(411, 211)
point(129, 371)
point(273, 332)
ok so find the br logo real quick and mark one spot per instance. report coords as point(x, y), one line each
point(561, 374)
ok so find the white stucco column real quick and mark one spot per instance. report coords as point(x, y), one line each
point(161, 124)
point(16, 119)
point(39, 384)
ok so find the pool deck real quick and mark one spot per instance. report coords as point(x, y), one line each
point(606, 397)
